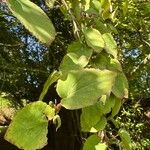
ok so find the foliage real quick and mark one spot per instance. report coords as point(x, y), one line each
point(90, 75)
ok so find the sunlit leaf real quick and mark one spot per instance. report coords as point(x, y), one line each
point(107, 8)
point(110, 44)
point(77, 57)
point(94, 39)
point(93, 143)
point(115, 65)
point(83, 88)
point(120, 87)
point(34, 19)
point(28, 130)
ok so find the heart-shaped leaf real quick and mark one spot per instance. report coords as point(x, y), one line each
point(28, 130)
point(83, 88)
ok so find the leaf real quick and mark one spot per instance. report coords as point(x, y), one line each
point(96, 5)
point(115, 65)
point(107, 8)
point(110, 44)
point(116, 107)
point(107, 103)
point(49, 112)
point(77, 57)
point(101, 26)
point(93, 143)
point(102, 61)
point(34, 19)
point(94, 39)
point(101, 146)
point(53, 77)
point(120, 87)
point(90, 117)
point(83, 88)
point(101, 124)
point(125, 138)
point(28, 130)
point(50, 3)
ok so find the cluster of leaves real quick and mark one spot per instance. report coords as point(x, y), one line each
point(90, 75)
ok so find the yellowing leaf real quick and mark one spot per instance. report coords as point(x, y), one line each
point(83, 88)
point(34, 19)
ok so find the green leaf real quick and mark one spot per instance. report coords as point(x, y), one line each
point(96, 5)
point(90, 117)
point(107, 8)
point(115, 65)
point(107, 103)
point(125, 138)
point(101, 146)
point(94, 39)
point(83, 88)
point(53, 77)
point(34, 19)
point(116, 107)
point(101, 61)
point(93, 143)
point(28, 130)
point(101, 26)
point(49, 112)
point(101, 124)
point(120, 87)
point(50, 3)
point(110, 44)
point(77, 57)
